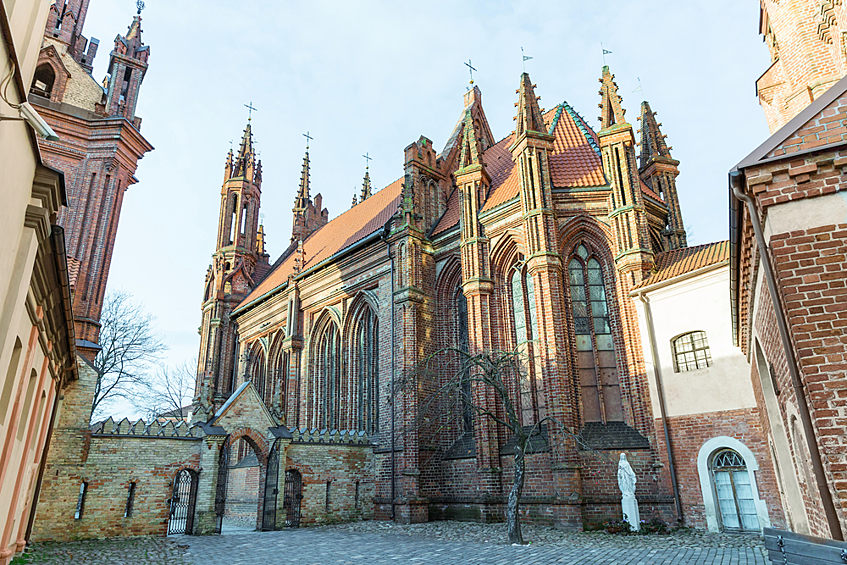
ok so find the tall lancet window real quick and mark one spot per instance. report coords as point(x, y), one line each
point(595, 348)
point(463, 344)
point(525, 320)
point(365, 363)
point(326, 363)
point(256, 371)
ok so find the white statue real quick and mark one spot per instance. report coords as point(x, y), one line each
point(626, 482)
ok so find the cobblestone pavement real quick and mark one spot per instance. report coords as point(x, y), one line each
point(435, 543)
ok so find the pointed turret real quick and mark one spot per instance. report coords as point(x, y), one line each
point(658, 170)
point(652, 141)
point(245, 159)
point(307, 215)
point(355, 200)
point(260, 241)
point(301, 202)
point(529, 116)
point(366, 186)
point(470, 154)
point(611, 112)
point(127, 67)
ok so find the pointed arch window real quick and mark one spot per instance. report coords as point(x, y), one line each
point(525, 324)
point(327, 361)
point(595, 349)
point(365, 363)
point(463, 343)
point(257, 373)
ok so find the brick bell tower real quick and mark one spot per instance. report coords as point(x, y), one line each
point(230, 277)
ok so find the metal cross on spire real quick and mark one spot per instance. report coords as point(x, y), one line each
point(250, 108)
point(308, 139)
point(605, 52)
point(368, 160)
point(140, 6)
point(525, 59)
point(471, 69)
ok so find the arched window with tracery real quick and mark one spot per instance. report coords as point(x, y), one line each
point(365, 371)
point(595, 348)
point(525, 324)
point(326, 361)
point(257, 372)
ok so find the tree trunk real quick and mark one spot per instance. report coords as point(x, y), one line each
point(513, 522)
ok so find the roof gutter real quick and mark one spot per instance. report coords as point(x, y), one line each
point(736, 181)
point(678, 278)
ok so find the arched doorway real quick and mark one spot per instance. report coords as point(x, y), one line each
point(734, 493)
point(240, 488)
point(183, 499)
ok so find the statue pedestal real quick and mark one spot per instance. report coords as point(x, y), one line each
point(630, 511)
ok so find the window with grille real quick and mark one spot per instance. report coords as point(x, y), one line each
point(691, 352)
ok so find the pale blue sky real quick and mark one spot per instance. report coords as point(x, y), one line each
point(374, 76)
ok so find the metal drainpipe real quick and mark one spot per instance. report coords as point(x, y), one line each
point(661, 390)
point(393, 463)
point(735, 180)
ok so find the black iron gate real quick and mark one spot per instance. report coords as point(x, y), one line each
point(271, 489)
point(181, 519)
point(220, 491)
point(293, 495)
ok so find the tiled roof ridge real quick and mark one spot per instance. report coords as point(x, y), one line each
point(580, 123)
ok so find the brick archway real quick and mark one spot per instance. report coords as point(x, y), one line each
point(259, 444)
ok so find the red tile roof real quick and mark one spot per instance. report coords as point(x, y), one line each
point(353, 225)
point(573, 163)
point(649, 192)
point(674, 263)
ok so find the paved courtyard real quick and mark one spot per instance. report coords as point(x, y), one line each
point(434, 543)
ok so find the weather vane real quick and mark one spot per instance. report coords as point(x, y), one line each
point(605, 52)
point(368, 160)
point(470, 69)
point(140, 5)
point(308, 139)
point(250, 108)
point(525, 59)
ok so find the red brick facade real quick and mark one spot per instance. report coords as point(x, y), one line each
point(796, 181)
point(454, 233)
point(98, 148)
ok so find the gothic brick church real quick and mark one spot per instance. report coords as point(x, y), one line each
point(532, 241)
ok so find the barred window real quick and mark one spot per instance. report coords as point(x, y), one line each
point(691, 352)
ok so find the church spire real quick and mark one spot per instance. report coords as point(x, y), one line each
point(652, 141)
point(611, 112)
point(303, 197)
point(470, 143)
point(529, 116)
point(245, 159)
point(366, 186)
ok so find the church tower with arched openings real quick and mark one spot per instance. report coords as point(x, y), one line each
point(238, 261)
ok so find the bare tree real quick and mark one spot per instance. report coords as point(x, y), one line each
point(167, 391)
point(129, 345)
point(445, 396)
